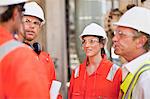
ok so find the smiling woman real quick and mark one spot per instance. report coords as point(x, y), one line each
point(96, 77)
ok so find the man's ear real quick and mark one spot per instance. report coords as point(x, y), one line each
point(142, 40)
point(15, 14)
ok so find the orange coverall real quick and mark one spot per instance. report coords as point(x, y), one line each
point(95, 86)
point(48, 63)
point(22, 75)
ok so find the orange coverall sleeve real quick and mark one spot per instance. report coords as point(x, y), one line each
point(71, 85)
point(49, 65)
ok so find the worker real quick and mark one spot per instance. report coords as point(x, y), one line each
point(132, 41)
point(96, 77)
point(33, 20)
point(19, 76)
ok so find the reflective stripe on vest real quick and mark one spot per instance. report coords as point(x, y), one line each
point(112, 72)
point(128, 85)
point(8, 47)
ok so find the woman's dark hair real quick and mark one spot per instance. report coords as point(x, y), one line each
point(103, 41)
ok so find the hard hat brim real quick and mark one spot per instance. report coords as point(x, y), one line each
point(6, 3)
point(29, 14)
point(124, 25)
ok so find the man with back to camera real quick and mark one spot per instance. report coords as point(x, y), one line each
point(19, 76)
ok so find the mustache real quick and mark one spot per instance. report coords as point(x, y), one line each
point(114, 44)
point(29, 31)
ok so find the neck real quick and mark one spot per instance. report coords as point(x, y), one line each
point(28, 41)
point(95, 60)
point(93, 63)
point(8, 26)
point(134, 55)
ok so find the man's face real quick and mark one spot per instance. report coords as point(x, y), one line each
point(123, 41)
point(31, 26)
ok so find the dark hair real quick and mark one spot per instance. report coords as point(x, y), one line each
point(129, 6)
point(6, 16)
point(143, 1)
point(103, 41)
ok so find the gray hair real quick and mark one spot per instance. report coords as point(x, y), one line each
point(147, 44)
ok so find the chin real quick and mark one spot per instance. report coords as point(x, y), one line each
point(89, 55)
point(117, 52)
point(29, 39)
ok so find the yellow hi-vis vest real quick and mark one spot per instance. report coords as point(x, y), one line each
point(131, 79)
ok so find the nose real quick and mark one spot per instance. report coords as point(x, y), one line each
point(115, 38)
point(31, 25)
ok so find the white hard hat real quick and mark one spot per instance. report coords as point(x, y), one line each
point(137, 18)
point(33, 9)
point(93, 29)
point(11, 2)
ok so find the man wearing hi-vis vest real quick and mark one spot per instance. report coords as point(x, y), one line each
point(132, 41)
point(22, 75)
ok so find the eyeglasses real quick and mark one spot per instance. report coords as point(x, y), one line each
point(29, 22)
point(122, 34)
point(89, 41)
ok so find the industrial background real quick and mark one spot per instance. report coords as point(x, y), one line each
point(65, 20)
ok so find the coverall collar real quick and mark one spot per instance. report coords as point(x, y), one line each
point(101, 65)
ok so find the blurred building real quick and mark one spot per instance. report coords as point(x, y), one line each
point(65, 20)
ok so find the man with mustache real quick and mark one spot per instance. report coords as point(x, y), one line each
point(132, 41)
point(33, 20)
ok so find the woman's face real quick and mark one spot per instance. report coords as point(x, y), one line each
point(91, 45)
